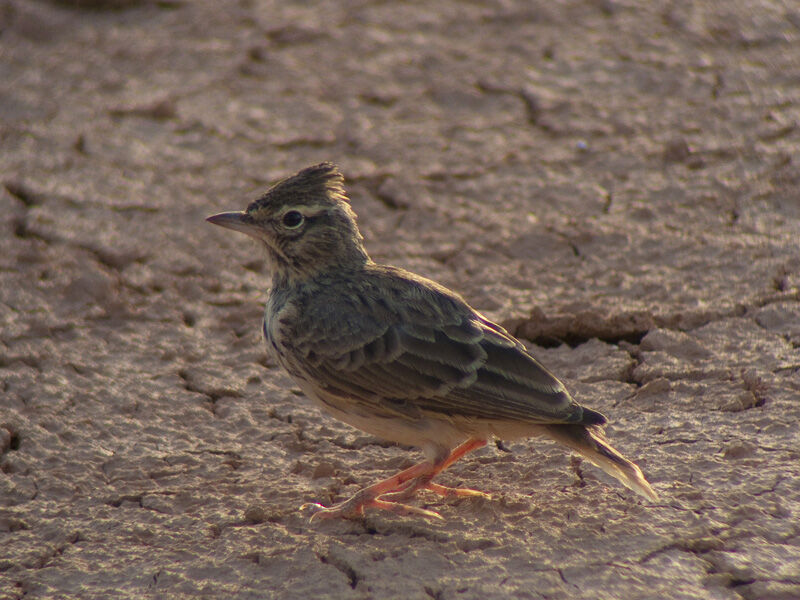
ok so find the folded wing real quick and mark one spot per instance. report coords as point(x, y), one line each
point(465, 366)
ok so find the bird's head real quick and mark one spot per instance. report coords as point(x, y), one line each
point(305, 222)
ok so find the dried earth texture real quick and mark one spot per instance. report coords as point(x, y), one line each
point(614, 181)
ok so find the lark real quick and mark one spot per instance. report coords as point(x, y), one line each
point(398, 355)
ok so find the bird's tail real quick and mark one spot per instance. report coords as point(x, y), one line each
point(590, 442)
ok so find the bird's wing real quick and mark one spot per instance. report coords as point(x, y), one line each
point(450, 361)
point(511, 384)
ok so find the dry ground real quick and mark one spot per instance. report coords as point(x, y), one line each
point(615, 181)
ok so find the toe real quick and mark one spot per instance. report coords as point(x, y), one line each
point(405, 509)
point(449, 492)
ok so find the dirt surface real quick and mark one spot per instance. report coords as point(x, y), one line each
point(615, 181)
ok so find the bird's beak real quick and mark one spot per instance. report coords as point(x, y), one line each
point(238, 221)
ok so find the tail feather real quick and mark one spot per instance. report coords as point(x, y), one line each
point(590, 442)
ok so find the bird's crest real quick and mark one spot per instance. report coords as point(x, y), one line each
point(310, 186)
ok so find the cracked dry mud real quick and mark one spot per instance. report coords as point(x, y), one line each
point(615, 181)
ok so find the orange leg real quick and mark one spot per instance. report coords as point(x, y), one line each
point(409, 489)
point(401, 486)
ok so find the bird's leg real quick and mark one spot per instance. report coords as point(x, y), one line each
point(456, 454)
point(424, 481)
point(401, 486)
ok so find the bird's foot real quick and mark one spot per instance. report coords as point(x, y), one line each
point(445, 492)
point(386, 494)
point(354, 508)
point(408, 480)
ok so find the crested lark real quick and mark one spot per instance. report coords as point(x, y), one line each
point(398, 355)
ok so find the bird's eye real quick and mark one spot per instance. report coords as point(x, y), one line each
point(293, 219)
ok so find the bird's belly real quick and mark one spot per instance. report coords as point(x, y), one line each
point(424, 432)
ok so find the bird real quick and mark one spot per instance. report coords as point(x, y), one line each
point(398, 355)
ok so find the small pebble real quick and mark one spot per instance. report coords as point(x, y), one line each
point(255, 514)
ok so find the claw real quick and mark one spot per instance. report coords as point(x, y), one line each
point(349, 510)
point(449, 492)
point(405, 509)
point(445, 492)
point(311, 507)
point(344, 510)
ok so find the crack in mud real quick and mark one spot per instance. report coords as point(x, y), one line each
point(575, 329)
point(340, 564)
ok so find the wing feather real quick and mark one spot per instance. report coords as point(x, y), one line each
point(484, 378)
point(433, 353)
